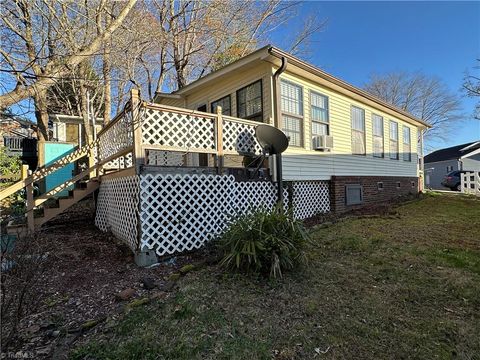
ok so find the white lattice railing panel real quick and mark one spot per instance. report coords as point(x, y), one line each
point(117, 208)
point(310, 198)
point(178, 130)
point(117, 137)
point(122, 162)
point(239, 137)
point(182, 212)
point(165, 158)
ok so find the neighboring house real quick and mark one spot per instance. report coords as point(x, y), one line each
point(367, 148)
point(441, 162)
point(70, 129)
point(19, 137)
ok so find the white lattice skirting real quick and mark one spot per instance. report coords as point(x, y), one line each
point(310, 198)
point(181, 212)
point(117, 209)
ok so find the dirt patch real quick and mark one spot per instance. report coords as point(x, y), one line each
point(79, 292)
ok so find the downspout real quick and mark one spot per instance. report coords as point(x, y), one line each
point(277, 124)
point(276, 87)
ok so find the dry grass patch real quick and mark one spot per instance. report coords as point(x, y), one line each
point(383, 288)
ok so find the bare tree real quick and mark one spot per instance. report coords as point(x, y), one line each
point(471, 87)
point(427, 98)
point(199, 37)
point(67, 46)
point(37, 53)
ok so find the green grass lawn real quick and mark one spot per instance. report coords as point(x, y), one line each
point(393, 287)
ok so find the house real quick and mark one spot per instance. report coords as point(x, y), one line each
point(70, 128)
point(365, 147)
point(174, 167)
point(465, 157)
point(19, 137)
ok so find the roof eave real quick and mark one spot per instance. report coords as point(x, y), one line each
point(308, 67)
point(256, 55)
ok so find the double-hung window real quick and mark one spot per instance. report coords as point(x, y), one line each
point(292, 111)
point(393, 140)
point(249, 102)
point(358, 131)
point(377, 123)
point(407, 147)
point(319, 114)
point(225, 103)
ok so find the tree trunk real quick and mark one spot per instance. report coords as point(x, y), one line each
point(41, 114)
point(85, 105)
point(107, 87)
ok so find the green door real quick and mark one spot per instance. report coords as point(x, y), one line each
point(53, 152)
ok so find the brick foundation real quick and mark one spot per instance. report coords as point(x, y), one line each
point(371, 193)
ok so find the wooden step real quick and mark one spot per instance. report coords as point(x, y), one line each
point(65, 203)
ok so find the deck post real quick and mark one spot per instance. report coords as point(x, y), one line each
point(138, 155)
point(30, 202)
point(219, 129)
point(91, 161)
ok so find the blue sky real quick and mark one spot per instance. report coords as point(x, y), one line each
point(437, 38)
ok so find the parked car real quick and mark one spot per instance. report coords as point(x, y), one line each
point(452, 180)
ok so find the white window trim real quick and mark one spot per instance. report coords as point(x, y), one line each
point(396, 140)
point(364, 130)
point(313, 92)
point(301, 118)
point(409, 143)
point(377, 136)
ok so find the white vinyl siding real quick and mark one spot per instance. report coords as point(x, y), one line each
point(358, 131)
point(394, 140)
point(292, 112)
point(319, 114)
point(407, 144)
point(378, 137)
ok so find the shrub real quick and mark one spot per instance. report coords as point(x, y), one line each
point(10, 167)
point(265, 242)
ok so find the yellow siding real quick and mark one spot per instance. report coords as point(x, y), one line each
point(173, 102)
point(228, 85)
point(305, 163)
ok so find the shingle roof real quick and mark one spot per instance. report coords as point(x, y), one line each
point(453, 152)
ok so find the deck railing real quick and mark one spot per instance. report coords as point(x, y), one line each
point(139, 128)
point(471, 182)
point(172, 129)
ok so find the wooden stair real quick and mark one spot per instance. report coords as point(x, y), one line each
point(65, 203)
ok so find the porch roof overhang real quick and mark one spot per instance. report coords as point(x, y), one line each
point(71, 119)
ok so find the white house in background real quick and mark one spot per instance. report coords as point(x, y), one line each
point(441, 162)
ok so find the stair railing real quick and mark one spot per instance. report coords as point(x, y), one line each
point(115, 140)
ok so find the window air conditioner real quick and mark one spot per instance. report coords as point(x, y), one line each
point(322, 142)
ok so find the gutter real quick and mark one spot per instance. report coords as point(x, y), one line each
point(338, 82)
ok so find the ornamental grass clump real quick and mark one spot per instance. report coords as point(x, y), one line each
point(267, 242)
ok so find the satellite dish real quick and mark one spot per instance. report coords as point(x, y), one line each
point(272, 140)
